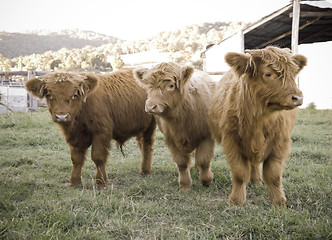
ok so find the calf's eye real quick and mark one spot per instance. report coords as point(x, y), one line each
point(268, 74)
point(75, 96)
point(171, 86)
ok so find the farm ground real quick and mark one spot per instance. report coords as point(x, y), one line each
point(37, 203)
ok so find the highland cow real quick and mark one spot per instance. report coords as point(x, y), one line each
point(180, 100)
point(252, 115)
point(94, 109)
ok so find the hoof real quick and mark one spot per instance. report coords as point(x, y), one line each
point(236, 200)
point(185, 186)
point(205, 176)
point(145, 173)
point(281, 201)
point(185, 189)
point(207, 181)
point(75, 183)
point(101, 188)
point(101, 184)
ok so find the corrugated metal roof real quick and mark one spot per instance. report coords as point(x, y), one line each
point(275, 29)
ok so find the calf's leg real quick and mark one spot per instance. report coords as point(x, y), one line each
point(183, 162)
point(145, 143)
point(77, 158)
point(240, 170)
point(204, 154)
point(99, 154)
point(256, 174)
point(185, 181)
point(272, 174)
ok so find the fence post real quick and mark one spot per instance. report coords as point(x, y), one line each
point(295, 31)
point(32, 101)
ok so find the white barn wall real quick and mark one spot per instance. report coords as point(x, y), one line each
point(215, 61)
point(315, 78)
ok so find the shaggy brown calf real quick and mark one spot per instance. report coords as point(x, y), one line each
point(93, 110)
point(180, 100)
point(252, 115)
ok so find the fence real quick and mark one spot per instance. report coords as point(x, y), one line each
point(13, 95)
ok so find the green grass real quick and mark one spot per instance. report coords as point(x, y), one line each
point(37, 203)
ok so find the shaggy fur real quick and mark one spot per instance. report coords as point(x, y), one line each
point(94, 109)
point(252, 115)
point(180, 100)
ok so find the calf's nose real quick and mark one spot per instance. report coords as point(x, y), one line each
point(62, 118)
point(150, 108)
point(297, 100)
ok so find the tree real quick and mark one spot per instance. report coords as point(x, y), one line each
point(20, 63)
point(5, 63)
point(55, 64)
point(97, 61)
point(69, 63)
point(117, 63)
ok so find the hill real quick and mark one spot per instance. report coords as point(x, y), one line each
point(19, 44)
point(69, 51)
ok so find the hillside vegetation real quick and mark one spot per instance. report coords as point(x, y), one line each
point(18, 44)
point(72, 50)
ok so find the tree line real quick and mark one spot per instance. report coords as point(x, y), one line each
point(185, 45)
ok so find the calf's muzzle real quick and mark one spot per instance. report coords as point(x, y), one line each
point(297, 99)
point(62, 118)
point(150, 108)
point(153, 107)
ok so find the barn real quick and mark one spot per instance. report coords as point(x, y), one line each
point(303, 26)
point(143, 59)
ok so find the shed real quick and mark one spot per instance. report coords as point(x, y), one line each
point(143, 59)
point(312, 23)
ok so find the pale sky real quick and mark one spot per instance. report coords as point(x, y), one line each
point(127, 19)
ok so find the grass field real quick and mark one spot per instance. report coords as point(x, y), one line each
point(37, 203)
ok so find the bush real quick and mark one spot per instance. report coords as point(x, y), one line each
point(311, 106)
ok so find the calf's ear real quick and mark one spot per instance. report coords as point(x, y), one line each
point(90, 83)
point(185, 75)
point(37, 87)
point(240, 63)
point(138, 75)
point(300, 60)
